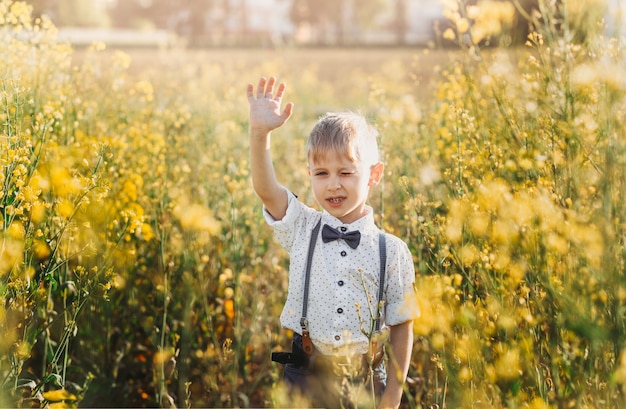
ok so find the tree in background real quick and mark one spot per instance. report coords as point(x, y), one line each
point(183, 17)
point(41, 7)
point(400, 24)
point(129, 14)
point(82, 13)
point(76, 13)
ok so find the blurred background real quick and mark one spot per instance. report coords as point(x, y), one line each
point(268, 23)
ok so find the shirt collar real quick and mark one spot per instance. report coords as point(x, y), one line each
point(364, 224)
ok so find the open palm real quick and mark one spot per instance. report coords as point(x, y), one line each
point(265, 112)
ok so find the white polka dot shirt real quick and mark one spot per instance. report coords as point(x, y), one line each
point(343, 289)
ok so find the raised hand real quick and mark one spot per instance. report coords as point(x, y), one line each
point(265, 116)
point(265, 113)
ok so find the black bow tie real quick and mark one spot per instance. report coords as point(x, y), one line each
point(352, 238)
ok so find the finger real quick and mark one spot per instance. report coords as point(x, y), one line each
point(269, 90)
point(287, 111)
point(280, 91)
point(261, 87)
point(250, 92)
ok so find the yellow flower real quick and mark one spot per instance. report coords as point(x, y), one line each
point(462, 25)
point(65, 208)
point(145, 90)
point(42, 249)
point(538, 403)
point(59, 395)
point(63, 183)
point(468, 255)
point(198, 218)
point(491, 17)
point(229, 309)
point(454, 232)
point(449, 34)
point(163, 355)
point(507, 322)
point(504, 232)
point(129, 190)
point(118, 282)
point(508, 365)
point(465, 374)
point(11, 254)
point(145, 232)
point(61, 405)
point(23, 349)
point(479, 223)
point(436, 312)
point(620, 373)
point(557, 243)
point(16, 231)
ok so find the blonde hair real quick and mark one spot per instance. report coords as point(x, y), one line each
point(343, 132)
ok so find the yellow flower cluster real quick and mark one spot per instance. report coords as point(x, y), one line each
point(490, 19)
point(526, 218)
point(481, 21)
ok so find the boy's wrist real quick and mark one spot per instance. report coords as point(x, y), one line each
point(258, 132)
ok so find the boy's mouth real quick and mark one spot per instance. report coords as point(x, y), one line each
point(335, 201)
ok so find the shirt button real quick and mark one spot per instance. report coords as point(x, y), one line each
point(343, 229)
point(343, 254)
point(339, 310)
point(337, 337)
point(340, 283)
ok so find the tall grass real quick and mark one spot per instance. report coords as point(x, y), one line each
point(522, 233)
point(136, 269)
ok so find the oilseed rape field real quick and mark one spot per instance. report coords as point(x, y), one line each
point(136, 269)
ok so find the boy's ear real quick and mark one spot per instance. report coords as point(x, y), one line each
point(308, 170)
point(376, 174)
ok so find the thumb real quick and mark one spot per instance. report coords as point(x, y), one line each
point(287, 111)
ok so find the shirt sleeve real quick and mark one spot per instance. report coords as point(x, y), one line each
point(285, 229)
point(401, 303)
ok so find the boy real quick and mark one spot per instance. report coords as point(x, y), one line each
point(331, 299)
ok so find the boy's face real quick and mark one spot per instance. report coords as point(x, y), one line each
point(341, 186)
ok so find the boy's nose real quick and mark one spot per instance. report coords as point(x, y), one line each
point(334, 184)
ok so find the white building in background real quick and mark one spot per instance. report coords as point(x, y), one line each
point(269, 21)
point(616, 17)
point(260, 21)
point(422, 15)
point(271, 17)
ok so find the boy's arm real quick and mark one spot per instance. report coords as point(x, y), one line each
point(265, 116)
point(401, 343)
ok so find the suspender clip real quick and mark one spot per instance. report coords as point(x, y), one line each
point(307, 344)
point(304, 323)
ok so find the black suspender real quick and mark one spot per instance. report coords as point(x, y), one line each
point(382, 250)
point(307, 345)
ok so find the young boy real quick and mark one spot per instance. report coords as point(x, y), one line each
point(334, 276)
